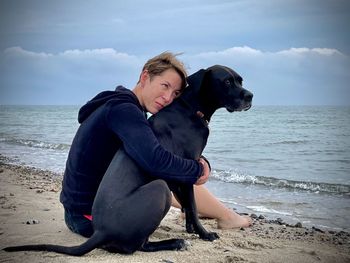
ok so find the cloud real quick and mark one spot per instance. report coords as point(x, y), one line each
point(234, 51)
point(253, 61)
point(251, 53)
point(292, 76)
point(20, 52)
point(102, 53)
point(69, 77)
point(89, 54)
point(319, 51)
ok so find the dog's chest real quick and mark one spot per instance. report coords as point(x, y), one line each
point(182, 135)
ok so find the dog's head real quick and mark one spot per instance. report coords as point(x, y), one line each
point(221, 87)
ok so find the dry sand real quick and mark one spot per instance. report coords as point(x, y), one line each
point(31, 213)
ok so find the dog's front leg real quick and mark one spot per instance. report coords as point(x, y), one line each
point(185, 195)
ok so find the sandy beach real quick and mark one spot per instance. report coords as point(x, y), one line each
point(31, 213)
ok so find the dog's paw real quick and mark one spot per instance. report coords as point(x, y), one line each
point(183, 244)
point(211, 236)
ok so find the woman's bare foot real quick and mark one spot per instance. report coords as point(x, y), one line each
point(234, 220)
point(231, 221)
point(208, 206)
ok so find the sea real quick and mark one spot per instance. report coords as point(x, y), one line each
point(288, 162)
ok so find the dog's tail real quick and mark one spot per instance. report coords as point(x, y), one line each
point(93, 242)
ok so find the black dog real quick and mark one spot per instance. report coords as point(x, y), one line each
point(129, 204)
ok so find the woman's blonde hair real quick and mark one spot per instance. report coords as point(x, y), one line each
point(164, 61)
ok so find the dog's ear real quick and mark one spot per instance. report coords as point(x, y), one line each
point(196, 79)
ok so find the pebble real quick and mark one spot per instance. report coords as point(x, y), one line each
point(317, 229)
point(32, 222)
point(165, 228)
point(298, 225)
point(254, 216)
point(279, 221)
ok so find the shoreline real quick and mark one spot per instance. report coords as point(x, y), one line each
point(325, 210)
point(31, 213)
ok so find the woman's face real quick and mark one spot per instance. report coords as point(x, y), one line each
point(159, 91)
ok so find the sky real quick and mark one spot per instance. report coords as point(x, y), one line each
point(289, 52)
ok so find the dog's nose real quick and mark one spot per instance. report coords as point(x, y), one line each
point(246, 95)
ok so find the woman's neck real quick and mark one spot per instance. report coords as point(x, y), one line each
point(138, 93)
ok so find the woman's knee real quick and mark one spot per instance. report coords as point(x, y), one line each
point(78, 224)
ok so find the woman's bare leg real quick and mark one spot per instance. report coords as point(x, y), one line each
point(209, 206)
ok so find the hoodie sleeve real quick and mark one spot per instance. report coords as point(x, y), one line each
point(139, 141)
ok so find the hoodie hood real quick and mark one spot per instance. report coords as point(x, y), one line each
point(102, 98)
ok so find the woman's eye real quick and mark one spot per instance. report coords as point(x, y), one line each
point(177, 94)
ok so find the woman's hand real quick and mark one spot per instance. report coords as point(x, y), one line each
point(206, 172)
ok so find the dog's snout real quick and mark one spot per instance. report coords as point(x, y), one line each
point(246, 95)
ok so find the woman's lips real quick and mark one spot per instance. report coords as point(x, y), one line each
point(160, 106)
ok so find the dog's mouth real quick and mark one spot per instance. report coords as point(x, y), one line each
point(242, 107)
point(247, 107)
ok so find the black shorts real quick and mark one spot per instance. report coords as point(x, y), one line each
point(78, 223)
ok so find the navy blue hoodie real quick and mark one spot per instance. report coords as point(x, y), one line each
point(110, 120)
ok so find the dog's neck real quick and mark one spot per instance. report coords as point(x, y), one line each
point(200, 105)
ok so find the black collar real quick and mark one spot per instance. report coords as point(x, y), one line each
point(195, 112)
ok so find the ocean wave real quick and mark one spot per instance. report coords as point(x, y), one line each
point(315, 187)
point(263, 209)
point(35, 144)
point(289, 142)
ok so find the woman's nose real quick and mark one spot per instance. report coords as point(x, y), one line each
point(167, 96)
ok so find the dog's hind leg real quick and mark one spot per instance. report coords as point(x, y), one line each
point(137, 216)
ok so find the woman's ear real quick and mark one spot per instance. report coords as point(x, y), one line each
point(143, 77)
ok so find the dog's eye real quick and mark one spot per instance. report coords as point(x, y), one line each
point(227, 82)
